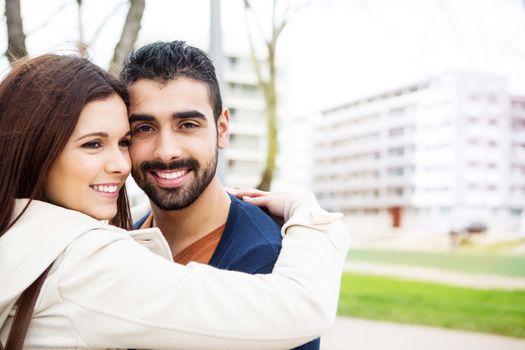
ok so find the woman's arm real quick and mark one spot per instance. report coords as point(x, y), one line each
point(128, 297)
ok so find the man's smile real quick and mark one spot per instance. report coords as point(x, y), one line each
point(171, 174)
point(171, 178)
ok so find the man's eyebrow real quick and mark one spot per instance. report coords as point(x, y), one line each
point(189, 114)
point(141, 118)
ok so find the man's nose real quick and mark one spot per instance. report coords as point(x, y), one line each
point(167, 147)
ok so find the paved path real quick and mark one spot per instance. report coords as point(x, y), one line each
point(358, 334)
point(439, 276)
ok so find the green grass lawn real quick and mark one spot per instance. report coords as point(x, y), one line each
point(484, 263)
point(404, 301)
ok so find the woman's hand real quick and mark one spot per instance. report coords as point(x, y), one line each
point(280, 204)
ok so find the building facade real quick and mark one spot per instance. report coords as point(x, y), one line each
point(443, 153)
point(244, 158)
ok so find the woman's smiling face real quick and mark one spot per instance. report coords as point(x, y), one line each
point(95, 162)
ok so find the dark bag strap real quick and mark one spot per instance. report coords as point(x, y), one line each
point(18, 331)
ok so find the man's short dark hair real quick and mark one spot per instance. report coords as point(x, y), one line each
point(164, 61)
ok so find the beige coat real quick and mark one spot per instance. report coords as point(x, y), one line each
point(105, 290)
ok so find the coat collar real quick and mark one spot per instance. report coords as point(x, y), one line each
point(43, 232)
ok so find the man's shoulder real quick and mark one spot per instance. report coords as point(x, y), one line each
point(251, 241)
point(253, 223)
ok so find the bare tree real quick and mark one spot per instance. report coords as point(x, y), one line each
point(81, 44)
point(16, 38)
point(130, 32)
point(265, 69)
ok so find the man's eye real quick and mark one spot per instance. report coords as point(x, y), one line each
point(142, 129)
point(188, 125)
point(92, 145)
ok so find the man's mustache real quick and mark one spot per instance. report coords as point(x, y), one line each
point(188, 163)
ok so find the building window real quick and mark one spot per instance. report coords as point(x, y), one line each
point(515, 212)
point(398, 171)
point(395, 191)
point(233, 61)
point(397, 151)
point(395, 132)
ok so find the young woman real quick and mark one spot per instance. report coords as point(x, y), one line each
point(64, 139)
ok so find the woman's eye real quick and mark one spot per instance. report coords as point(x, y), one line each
point(124, 143)
point(92, 145)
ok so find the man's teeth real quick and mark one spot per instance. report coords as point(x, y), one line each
point(172, 175)
point(107, 189)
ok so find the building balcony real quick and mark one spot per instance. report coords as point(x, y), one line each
point(517, 180)
point(244, 102)
point(245, 154)
point(516, 201)
point(518, 137)
point(517, 158)
point(255, 130)
point(365, 202)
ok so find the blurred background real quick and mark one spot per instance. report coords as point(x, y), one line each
point(406, 115)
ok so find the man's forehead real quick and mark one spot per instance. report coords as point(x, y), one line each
point(182, 87)
point(182, 94)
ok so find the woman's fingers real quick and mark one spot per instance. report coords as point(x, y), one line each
point(247, 192)
point(258, 201)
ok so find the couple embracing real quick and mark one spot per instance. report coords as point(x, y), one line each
point(70, 135)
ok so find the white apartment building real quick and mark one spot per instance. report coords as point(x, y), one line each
point(440, 154)
point(244, 158)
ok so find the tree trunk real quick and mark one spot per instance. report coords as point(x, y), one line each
point(269, 86)
point(270, 96)
point(129, 35)
point(16, 39)
point(272, 146)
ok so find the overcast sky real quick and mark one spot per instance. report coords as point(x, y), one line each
point(332, 51)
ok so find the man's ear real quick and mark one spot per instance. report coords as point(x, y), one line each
point(223, 128)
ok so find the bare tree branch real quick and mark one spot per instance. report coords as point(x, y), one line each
point(81, 44)
point(45, 23)
point(268, 83)
point(290, 12)
point(274, 19)
point(249, 8)
point(105, 21)
point(255, 61)
point(129, 35)
point(79, 19)
point(16, 39)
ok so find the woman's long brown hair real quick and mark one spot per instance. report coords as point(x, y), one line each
point(40, 104)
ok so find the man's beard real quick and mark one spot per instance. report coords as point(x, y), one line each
point(176, 198)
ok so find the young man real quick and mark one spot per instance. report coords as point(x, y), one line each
point(178, 125)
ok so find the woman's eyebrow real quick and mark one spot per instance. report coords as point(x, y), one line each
point(100, 134)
